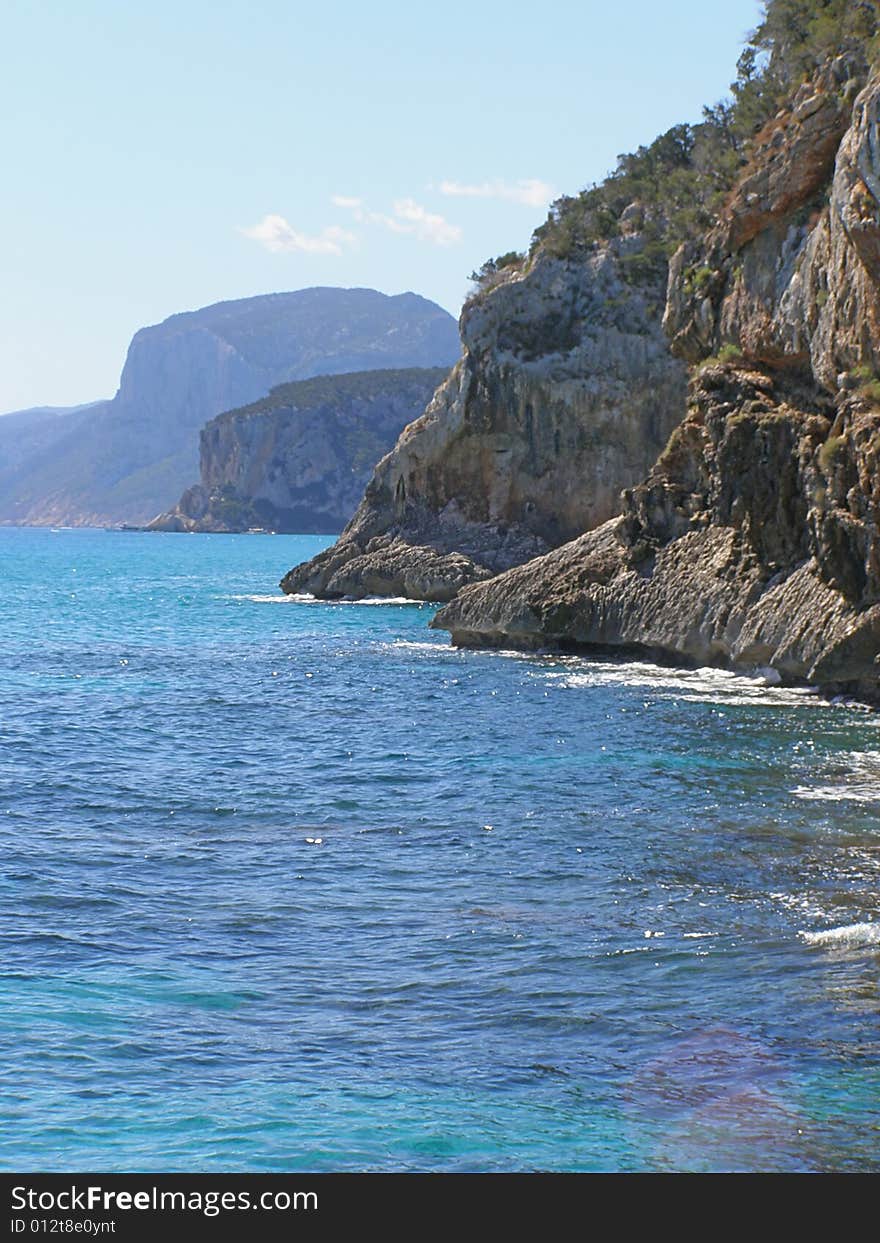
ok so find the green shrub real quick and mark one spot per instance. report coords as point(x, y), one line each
point(488, 275)
point(681, 178)
point(726, 356)
point(866, 383)
point(697, 279)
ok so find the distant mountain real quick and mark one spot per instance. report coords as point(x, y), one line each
point(299, 459)
point(127, 459)
point(25, 433)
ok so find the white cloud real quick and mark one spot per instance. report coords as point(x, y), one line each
point(407, 216)
point(411, 217)
point(277, 235)
point(530, 192)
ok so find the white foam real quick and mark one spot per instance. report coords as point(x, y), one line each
point(837, 794)
point(301, 598)
point(847, 935)
point(860, 784)
point(414, 645)
point(705, 685)
point(398, 600)
point(261, 599)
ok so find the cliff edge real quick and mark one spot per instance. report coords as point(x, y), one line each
point(298, 459)
point(124, 460)
point(565, 393)
point(754, 541)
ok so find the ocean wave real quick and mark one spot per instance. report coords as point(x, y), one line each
point(261, 599)
point(704, 685)
point(397, 600)
point(860, 784)
point(838, 794)
point(848, 935)
point(302, 598)
point(420, 646)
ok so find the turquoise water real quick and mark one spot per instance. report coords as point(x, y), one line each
point(456, 971)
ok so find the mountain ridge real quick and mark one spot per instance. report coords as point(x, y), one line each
point(137, 452)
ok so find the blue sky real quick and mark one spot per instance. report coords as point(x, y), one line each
point(160, 157)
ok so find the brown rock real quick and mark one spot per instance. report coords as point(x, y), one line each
point(565, 393)
point(753, 542)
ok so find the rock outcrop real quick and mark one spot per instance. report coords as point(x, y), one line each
point(298, 460)
point(565, 393)
point(755, 540)
point(131, 457)
point(789, 276)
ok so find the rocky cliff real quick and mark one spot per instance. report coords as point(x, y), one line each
point(133, 456)
point(298, 460)
point(565, 393)
point(754, 541)
point(788, 277)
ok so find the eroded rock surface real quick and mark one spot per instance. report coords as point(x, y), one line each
point(754, 540)
point(789, 276)
point(565, 393)
point(298, 459)
point(752, 543)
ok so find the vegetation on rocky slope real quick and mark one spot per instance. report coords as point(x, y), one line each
point(563, 349)
point(754, 542)
point(333, 390)
point(674, 186)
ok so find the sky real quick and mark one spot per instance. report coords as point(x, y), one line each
point(164, 156)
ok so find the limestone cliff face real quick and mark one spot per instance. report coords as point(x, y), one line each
point(298, 459)
point(789, 276)
point(755, 540)
point(131, 457)
point(565, 393)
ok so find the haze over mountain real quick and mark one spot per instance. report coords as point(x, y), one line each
point(126, 459)
point(25, 433)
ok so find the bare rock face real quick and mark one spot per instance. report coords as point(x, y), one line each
point(126, 459)
point(789, 276)
point(565, 393)
point(754, 542)
point(298, 459)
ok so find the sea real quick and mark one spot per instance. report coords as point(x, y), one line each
point(293, 885)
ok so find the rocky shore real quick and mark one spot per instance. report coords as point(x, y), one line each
point(755, 539)
point(687, 466)
point(565, 393)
